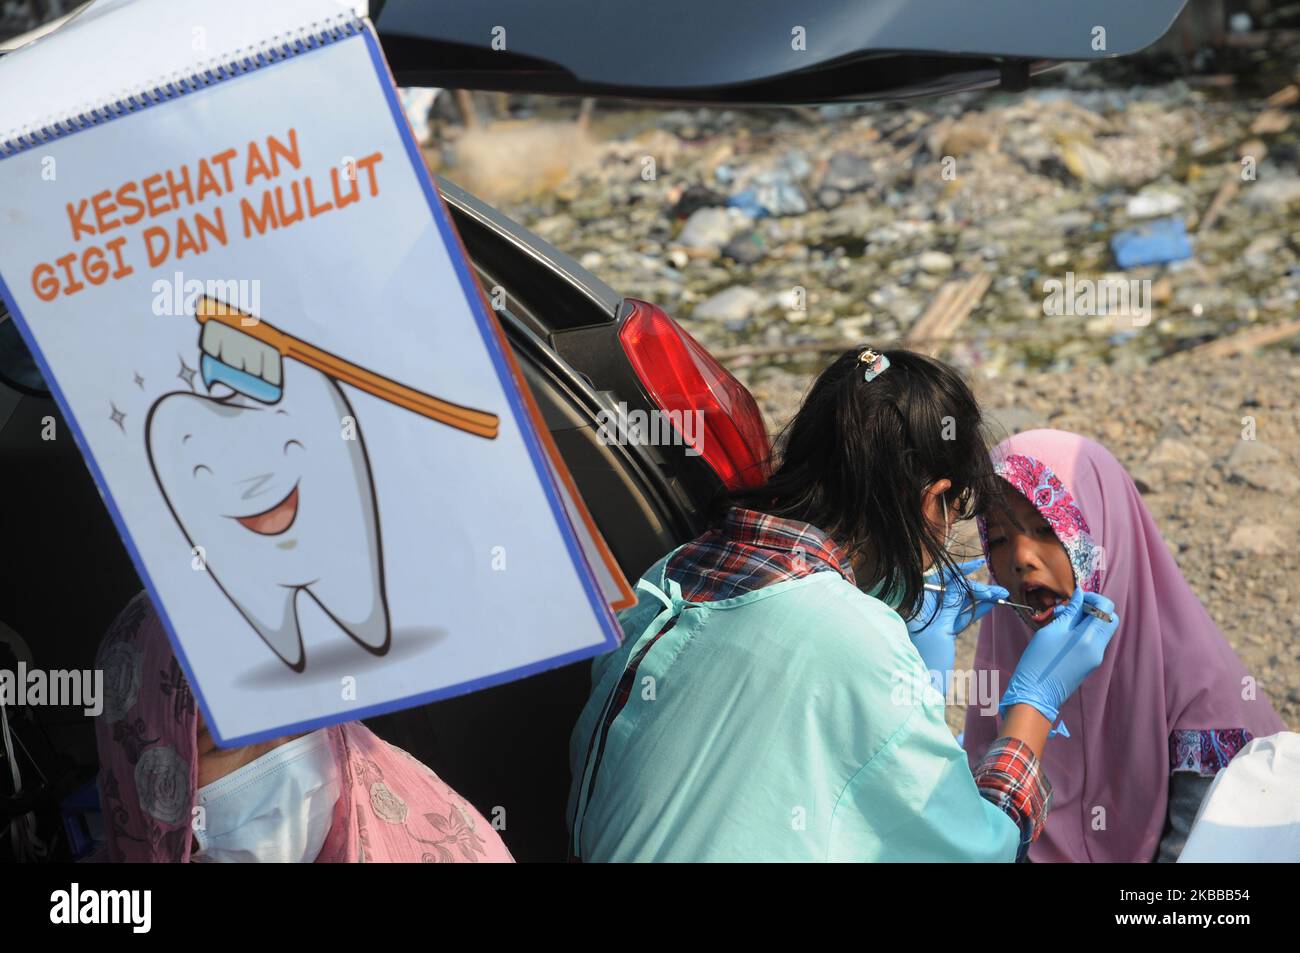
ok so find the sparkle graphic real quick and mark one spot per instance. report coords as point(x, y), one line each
point(187, 374)
point(117, 416)
point(139, 381)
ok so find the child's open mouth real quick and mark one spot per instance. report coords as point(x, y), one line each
point(1042, 598)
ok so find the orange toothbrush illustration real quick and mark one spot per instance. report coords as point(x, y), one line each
point(246, 354)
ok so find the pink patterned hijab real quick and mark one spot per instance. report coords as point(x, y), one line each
point(391, 808)
point(1168, 666)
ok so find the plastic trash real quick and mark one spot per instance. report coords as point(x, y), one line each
point(773, 192)
point(747, 202)
point(693, 199)
point(1153, 204)
point(1156, 243)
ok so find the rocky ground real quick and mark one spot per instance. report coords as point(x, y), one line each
point(765, 229)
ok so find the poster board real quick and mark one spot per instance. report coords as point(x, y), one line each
point(250, 304)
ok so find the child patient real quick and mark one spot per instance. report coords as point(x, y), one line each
point(1169, 705)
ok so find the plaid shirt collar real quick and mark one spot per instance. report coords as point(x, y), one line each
point(751, 550)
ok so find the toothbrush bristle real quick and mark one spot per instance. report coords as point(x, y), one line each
point(241, 351)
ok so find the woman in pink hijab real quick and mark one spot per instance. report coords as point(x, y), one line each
point(335, 795)
point(1170, 703)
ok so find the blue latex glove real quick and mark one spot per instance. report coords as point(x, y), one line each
point(934, 633)
point(1061, 655)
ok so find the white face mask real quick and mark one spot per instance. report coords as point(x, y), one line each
point(277, 809)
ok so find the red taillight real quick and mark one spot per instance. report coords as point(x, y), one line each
point(683, 377)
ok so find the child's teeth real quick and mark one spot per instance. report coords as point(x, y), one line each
point(228, 472)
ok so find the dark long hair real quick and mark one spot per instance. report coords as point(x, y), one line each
point(858, 456)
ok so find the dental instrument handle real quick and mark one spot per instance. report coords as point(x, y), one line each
point(1097, 613)
point(933, 587)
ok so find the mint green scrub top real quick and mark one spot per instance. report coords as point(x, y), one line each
point(793, 723)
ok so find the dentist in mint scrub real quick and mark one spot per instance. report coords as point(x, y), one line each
point(773, 699)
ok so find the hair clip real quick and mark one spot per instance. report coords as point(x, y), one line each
point(876, 363)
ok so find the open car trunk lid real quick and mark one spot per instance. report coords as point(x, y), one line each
point(754, 51)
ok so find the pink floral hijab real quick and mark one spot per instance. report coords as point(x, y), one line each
point(391, 808)
point(1167, 668)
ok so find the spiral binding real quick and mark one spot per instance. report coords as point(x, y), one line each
point(207, 73)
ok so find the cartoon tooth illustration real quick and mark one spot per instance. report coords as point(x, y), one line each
point(271, 485)
point(281, 505)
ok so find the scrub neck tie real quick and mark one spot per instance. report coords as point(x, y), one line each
point(672, 600)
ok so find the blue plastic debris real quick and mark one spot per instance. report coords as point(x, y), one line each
point(747, 201)
point(1155, 243)
point(771, 192)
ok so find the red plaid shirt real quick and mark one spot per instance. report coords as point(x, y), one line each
point(751, 550)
